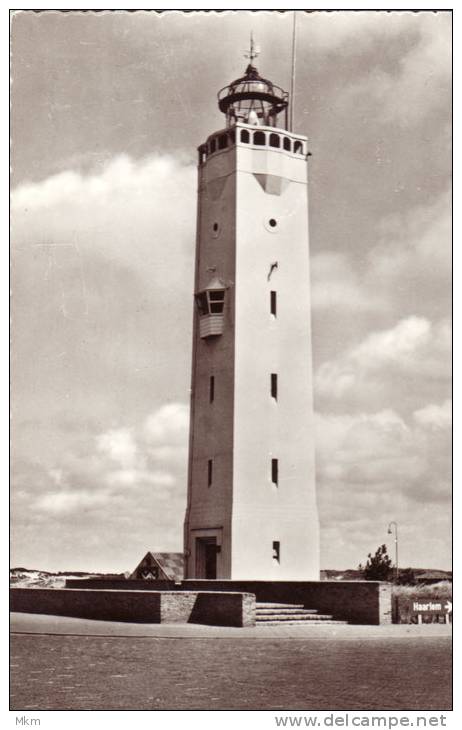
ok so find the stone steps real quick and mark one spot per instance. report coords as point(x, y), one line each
point(286, 610)
point(296, 616)
point(271, 614)
point(334, 622)
point(283, 607)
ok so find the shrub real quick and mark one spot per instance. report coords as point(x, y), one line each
point(378, 566)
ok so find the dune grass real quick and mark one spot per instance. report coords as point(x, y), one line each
point(443, 589)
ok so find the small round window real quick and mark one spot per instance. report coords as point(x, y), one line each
point(272, 225)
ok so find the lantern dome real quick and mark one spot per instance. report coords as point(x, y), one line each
point(253, 99)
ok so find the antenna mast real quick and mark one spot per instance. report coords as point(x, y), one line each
point(292, 79)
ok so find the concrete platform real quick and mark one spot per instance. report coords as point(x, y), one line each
point(26, 623)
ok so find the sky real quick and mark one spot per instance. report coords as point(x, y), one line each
point(107, 112)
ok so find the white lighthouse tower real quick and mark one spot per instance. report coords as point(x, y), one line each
point(251, 511)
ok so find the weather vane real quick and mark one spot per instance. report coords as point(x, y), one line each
point(254, 50)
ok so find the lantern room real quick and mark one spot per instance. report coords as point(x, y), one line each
point(252, 99)
point(210, 304)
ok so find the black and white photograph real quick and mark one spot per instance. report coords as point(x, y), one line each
point(231, 364)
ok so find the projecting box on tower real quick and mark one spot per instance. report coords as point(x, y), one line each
point(210, 304)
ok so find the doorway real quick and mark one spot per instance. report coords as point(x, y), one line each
point(206, 557)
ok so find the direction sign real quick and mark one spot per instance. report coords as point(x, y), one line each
point(426, 610)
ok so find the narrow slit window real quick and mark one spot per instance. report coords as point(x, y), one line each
point(287, 144)
point(274, 386)
point(212, 146)
point(273, 303)
point(209, 472)
point(275, 471)
point(212, 389)
point(276, 551)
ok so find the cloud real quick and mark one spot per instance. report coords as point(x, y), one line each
point(368, 450)
point(103, 267)
point(120, 445)
point(415, 350)
point(122, 482)
point(123, 458)
point(118, 177)
point(413, 247)
point(102, 329)
point(375, 467)
point(397, 346)
point(434, 416)
point(137, 477)
point(378, 448)
point(363, 29)
point(335, 282)
point(328, 32)
point(420, 83)
point(168, 424)
point(139, 213)
point(406, 267)
point(75, 502)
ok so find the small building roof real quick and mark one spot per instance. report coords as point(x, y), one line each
point(170, 566)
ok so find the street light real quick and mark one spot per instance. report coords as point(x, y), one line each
point(390, 532)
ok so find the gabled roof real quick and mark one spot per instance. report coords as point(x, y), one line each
point(170, 566)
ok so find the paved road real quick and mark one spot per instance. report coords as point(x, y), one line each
point(186, 667)
point(30, 623)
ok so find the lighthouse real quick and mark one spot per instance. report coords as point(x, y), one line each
point(251, 508)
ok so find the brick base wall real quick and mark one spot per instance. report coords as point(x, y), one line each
point(137, 606)
point(359, 602)
point(214, 608)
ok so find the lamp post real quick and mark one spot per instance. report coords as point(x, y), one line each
point(390, 532)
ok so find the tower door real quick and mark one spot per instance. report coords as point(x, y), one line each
point(206, 557)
